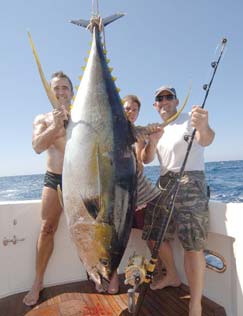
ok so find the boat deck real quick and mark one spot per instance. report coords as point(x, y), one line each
point(81, 299)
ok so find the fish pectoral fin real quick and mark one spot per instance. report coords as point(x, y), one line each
point(101, 203)
point(98, 159)
point(92, 206)
point(59, 194)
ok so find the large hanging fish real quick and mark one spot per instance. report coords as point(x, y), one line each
point(99, 172)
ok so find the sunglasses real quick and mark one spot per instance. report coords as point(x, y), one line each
point(168, 97)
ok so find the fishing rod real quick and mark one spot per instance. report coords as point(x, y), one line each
point(135, 310)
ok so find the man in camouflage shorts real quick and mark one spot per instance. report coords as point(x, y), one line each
point(190, 216)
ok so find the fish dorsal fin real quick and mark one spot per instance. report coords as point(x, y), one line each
point(51, 96)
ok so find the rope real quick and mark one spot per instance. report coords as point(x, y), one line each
point(95, 11)
point(97, 20)
point(98, 11)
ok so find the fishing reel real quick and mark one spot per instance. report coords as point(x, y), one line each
point(135, 274)
point(135, 271)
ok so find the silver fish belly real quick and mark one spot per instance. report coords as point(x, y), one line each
point(99, 172)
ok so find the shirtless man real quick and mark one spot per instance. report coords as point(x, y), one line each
point(49, 135)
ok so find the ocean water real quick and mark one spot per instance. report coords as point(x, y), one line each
point(225, 179)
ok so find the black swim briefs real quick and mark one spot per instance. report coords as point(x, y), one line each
point(52, 180)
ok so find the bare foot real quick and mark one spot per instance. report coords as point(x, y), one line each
point(159, 271)
point(164, 282)
point(32, 297)
point(114, 284)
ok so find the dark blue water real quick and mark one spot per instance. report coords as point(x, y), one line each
point(21, 187)
point(225, 179)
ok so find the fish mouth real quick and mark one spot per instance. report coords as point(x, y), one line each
point(104, 270)
point(104, 283)
point(101, 282)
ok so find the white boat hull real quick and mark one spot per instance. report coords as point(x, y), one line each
point(22, 219)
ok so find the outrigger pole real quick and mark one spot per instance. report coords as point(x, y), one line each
point(171, 205)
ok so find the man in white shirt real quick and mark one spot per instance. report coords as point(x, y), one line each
point(190, 217)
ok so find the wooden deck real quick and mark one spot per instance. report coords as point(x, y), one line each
point(81, 299)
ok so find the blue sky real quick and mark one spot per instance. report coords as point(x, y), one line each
point(157, 42)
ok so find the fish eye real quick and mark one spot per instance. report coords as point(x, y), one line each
point(104, 262)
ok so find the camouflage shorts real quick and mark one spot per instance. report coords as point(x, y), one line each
point(190, 216)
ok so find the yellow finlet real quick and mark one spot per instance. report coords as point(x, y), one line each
point(83, 68)
point(118, 90)
point(76, 87)
point(110, 69)
point(51, 96)
point(80, 78)
point(86, 59)
point(105, 51)
point(107, 60)
point(114, 78)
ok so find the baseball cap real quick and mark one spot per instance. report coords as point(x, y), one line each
point(165, 88)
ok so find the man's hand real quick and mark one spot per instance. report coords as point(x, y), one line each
point(199, 120)
point(156, 134)
point(148, 153)
point(59, 116)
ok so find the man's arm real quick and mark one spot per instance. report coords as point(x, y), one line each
point(44, 136)
point(199, 120)
point(149, 151)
